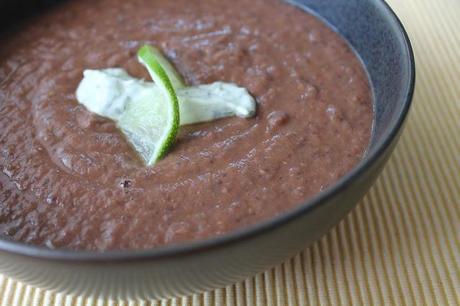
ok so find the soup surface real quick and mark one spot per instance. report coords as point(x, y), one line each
point(69, 179)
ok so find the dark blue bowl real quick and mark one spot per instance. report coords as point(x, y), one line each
point(379, 38)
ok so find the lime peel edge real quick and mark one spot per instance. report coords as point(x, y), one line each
point(147, 57)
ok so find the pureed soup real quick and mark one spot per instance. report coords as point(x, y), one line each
point(70, 179)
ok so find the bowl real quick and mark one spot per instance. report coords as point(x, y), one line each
point(378, 37)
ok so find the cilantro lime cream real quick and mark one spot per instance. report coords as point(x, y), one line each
point(139, 106)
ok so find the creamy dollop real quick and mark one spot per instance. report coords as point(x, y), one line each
point(108, 92)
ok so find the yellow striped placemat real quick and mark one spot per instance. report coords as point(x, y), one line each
point(401, 245)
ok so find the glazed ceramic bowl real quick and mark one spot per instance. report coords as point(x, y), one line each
point(378, 37)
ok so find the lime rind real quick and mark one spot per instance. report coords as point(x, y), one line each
point(148, 57)
point(173, 75)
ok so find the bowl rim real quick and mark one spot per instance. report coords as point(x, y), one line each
point(237, 236)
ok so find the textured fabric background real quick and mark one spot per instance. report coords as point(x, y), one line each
point(401, 245)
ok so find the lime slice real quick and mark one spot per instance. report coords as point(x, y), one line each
point(151, 125)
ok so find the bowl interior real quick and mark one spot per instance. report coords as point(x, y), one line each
point(377, 37)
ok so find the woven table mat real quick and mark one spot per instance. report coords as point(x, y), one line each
point(401, 245)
